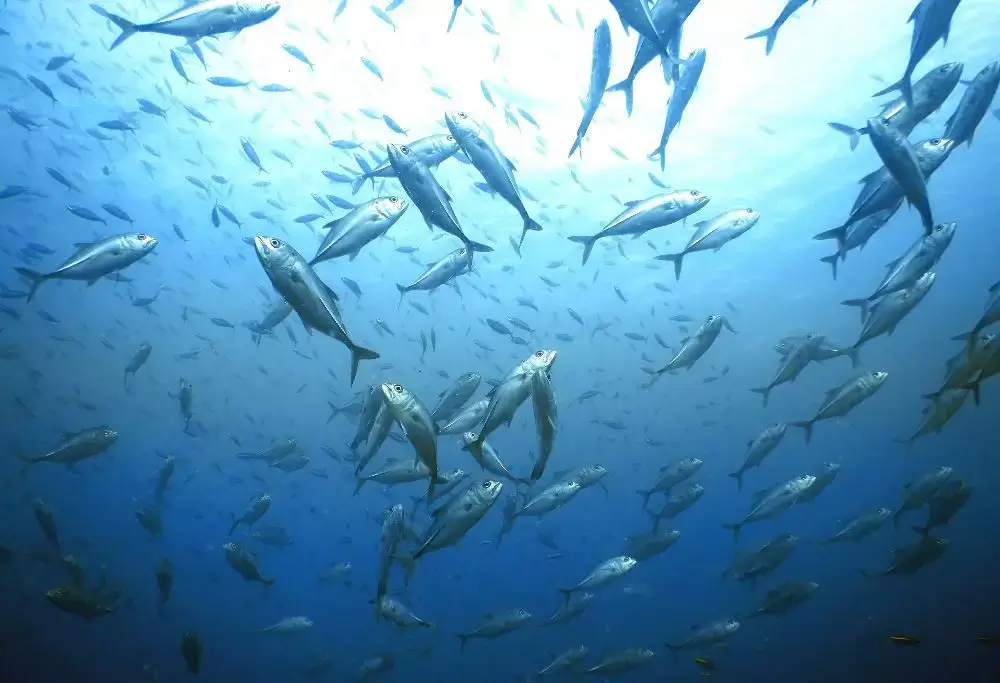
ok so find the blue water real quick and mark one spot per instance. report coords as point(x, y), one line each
point(754, 136)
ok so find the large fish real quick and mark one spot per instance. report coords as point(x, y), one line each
point(496, 169)
point(600, 70)
point(931, 23)
point(771, 32)
point(364, 223)
point(197, 20)
point(714, 234)
point(431, 150)
point(94, 260)
point(687, 82)
point(429, 197)
point(312, 299)
point(901, 161)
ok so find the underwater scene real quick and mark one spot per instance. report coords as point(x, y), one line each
point(499, 340)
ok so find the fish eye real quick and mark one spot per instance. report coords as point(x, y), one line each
point(398, 388)
point(143, 237)
point(451, 138)
point(462, 115)
point(404, 149)
point(936, 141)
point(538, 354)
point(695, 193)
point(393, 199)
point(275, 243)
point(485, 485)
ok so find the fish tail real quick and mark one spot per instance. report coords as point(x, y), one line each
point(738, 476)
point(645, 496)
point(28, 464)
point(236, 523)
point(770, 33)
point(128, 29)
point(895, 518)
point(626, 87)
point(267, 582)
point(358, 183)
point(334, 411)
point(763, 391)
point(482, 248)
point(358, 354)
point(678, 261)
point(34, 278)
point(402, 293)
point(854, 134)
point(462, 639)
point(451, 22)
point(974, 387)
point(807, 425)
point(863, 304)
point(567, 593)
point(838, 233)
point(832, 259)
point(903, 85)
point(854, 353)
point(431, 486)
point(588, 245)
point(358, 484)
point(530, 224)
point(735, 528)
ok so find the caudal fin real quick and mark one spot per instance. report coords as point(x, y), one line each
point(128, 29)
point(807, 426)
point(902, 85)
point(236, 523)
point(770, 33)
point(738, 476)
point(854, 353)
point(358, 354)
point(626, 87)
point(645, 496)
point(34, 278)
point(588, 245)
point(530, 224)
point(735, 528)
point(451, 22)
point(863, 304)
point(850, 131)
point(763, 391)
point(832, 259)
point(678, 261)
point(480, 247)
point(402, 292)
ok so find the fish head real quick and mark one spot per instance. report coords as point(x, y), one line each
point(812, 341)
point(625, 563)
point(488, 489)
point(569, 488)
point(255, 11)
point(943, 79)
point(883, 513)
point(274, 255)
point(696, 490)
point(731, 626)
point(932, 153)
point(831, 467)
point(522, 614)
point(878, 378)
point(925, 282)
point(57, 594)
point(390, 208)
point(942, 543)
point(461, 125)
point(540, 360)
point(470, 378)
point(231, 548)
point(402, 157)
point(942, 235)
point(691, 464)
point(107, 435)
point(692, 199)
point(139, 242)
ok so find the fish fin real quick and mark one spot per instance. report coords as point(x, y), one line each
point(763, 391)
point(898, 85)
point(854, 134)
point(358, 354)
point(128, 29)
point(34, 278)
point(480, 247)
point(735, 528)
point(738, 476)
point(531, 225)
point(677, 259)
point(626, 87)
point(770, 33)
point(832, 259)
point(588, 245)
point(863, 304)
point(806, 425)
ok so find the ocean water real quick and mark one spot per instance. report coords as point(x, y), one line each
point(753, 136)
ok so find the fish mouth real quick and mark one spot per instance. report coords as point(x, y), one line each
point(260, 244)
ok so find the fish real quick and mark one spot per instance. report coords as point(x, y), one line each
point(363, 224)
point(687, 83)
point(772, 502)
point(713, 235)
point(600, 70)
point(496, 169)
point(431, 150)
point(931, 22)
point(197, 20)
point(95, 260)
point(641, 216)
point(771, 32)
point(313, 301)
point(758, 449)
point(418, 426)
point(901, 161)
point(842, 399)
point(975, 103)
